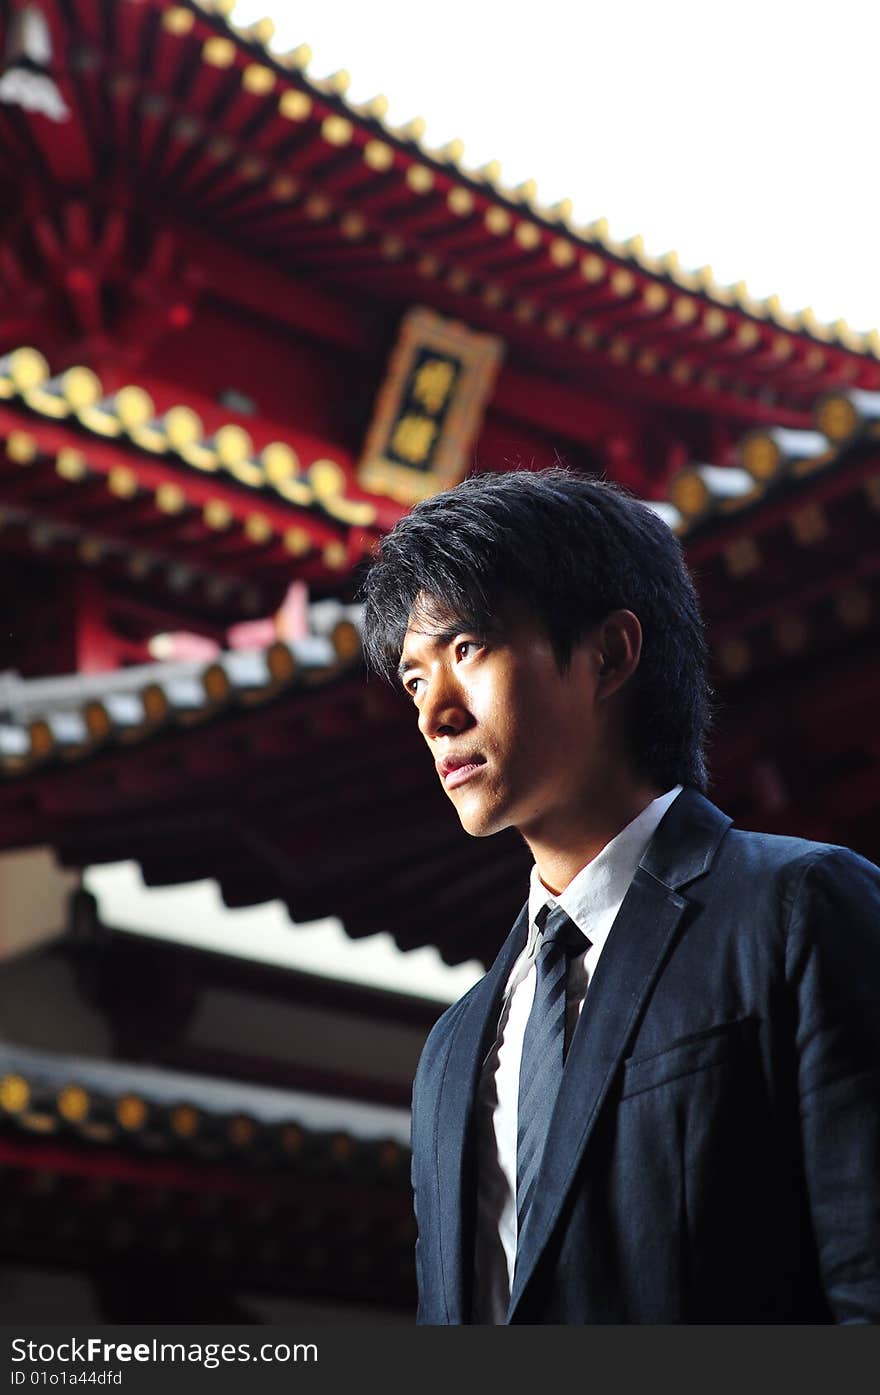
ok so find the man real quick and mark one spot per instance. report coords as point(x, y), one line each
point(661, 1102)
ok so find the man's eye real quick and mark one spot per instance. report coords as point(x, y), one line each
point(464, 645)
point(412, 686)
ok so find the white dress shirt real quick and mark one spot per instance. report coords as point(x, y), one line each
point(592, 900)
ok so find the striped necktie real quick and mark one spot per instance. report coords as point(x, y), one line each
point(543, 1053)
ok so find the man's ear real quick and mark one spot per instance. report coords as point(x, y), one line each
point(618, 650)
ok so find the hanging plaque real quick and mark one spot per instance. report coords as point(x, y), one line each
point(429, 408)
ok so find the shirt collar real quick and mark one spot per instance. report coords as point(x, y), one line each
point(602, 884)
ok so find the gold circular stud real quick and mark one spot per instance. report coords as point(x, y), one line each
point(73, 1104)
point(80, 387)
point(133, 406)
point(335, 556)
point(170, 498)
point(215, 681)
point(498, 221)
point(15, 1094)
point(294, 105)
point(258, 79)
point(527, 236)
point(122, 481)
point(217, 515)
point(623, 282)
point(337, 130)
point(562, 253)
point(761, 456)
point(297, 542)
point(378, 155)
point(219, 52)
point(234, 445)
point(183, 427)
point(178, 20)
point(27, 369)
point(461, 202)
point(592, 268)
point(836, 417)
point(185, 1121)
point(131, 1112)
point(420, 179)
point(257, 528)
point(280, 461)
point(21, 447)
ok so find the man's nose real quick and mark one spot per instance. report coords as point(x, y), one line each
point(442, 710)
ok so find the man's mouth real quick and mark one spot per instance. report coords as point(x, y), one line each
point(457, 770)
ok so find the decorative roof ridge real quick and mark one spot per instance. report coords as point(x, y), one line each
point(114, 711)
point(24, 698)
point(77, 393)
point(522, 199)
point(702, 492)
point(43, 1093)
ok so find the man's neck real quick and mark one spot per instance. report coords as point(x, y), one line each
point(561, 852)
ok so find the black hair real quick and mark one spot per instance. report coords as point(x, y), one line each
point(572, 548)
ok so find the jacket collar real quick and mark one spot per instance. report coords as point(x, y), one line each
point(686, 840)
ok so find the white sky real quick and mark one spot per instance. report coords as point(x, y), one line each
point(742, 136)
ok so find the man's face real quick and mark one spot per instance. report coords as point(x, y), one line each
point(514, 739)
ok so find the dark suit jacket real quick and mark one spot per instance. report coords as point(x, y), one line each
point(714, 1154)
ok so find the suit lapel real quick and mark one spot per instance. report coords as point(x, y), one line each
point(624, 975)
point(681, 850)
point(456, 1172)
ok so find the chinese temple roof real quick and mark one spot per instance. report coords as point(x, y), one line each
point(119, 1163)
point(772, 459)
point(299, 805)
point(162, 159)
point(114, 479)
point(312, 803)
point(208, 114)
point(66, 719)
point(162, 1112)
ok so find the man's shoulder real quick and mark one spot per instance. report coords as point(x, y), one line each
point(696, 842)
point(788, 853)
point(782, 870)
point(778, 849)
point(444, 1029)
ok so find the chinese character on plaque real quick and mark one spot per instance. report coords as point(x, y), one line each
point(429, 408)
